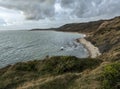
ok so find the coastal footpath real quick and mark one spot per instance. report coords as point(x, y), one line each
point(101, 71)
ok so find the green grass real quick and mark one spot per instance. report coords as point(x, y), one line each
point(64, 64)
point(111, 76)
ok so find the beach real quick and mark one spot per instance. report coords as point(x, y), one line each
point(93, 51)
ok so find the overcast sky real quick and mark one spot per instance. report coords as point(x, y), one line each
point(59, 10)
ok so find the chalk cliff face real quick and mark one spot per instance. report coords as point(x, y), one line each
point(105, 34)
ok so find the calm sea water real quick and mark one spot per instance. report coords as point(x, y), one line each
point(17, 46)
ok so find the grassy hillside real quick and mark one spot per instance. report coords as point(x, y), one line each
point(52, 73)
point(107, 38)
point(111, 76)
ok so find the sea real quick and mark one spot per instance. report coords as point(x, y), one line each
point(20, 46)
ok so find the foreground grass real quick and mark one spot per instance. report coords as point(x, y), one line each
point(59, 67)
point(111, 76)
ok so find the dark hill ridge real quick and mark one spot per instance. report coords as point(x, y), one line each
point(84, 27)
point(81, 27)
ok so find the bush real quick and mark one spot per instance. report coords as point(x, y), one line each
point(64, 64)
point(18, 74)
point(28, 66)
point(111, 76)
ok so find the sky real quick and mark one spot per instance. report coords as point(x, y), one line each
point(52, 13)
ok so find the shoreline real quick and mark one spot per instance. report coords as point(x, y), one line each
point(92, 50)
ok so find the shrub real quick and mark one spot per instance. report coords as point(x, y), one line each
point(28, 66)
point(18, 74)
point(64, 64)
point(111, 76)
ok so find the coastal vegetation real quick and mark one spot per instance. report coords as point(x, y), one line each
point(111, 76)
point(15, 75)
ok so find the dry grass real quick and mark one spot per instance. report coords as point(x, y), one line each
point(51, 73)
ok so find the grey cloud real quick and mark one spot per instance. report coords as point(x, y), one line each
point(34, 9)
point(41, 9)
